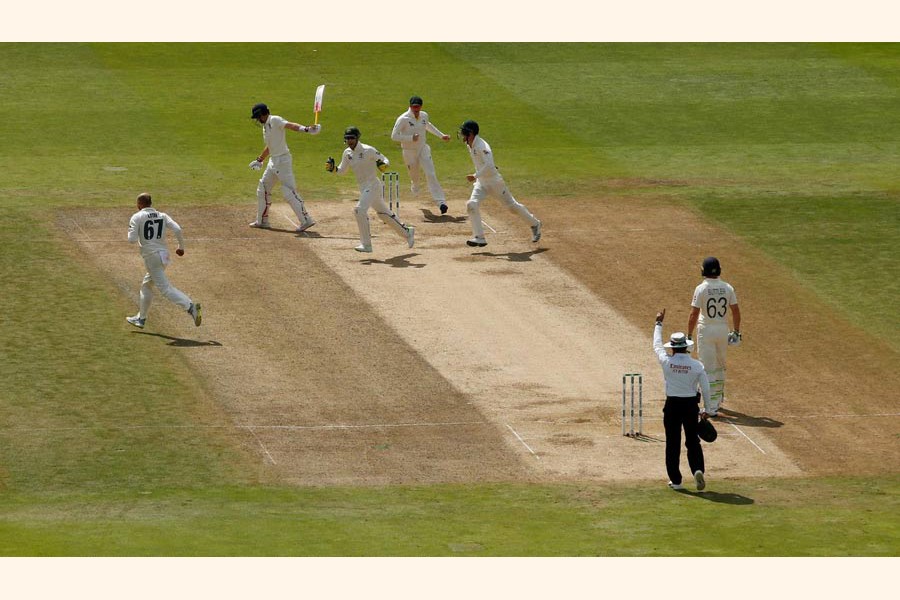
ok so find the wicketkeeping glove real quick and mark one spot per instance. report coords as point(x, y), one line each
point(329, 164)
point(256, 165)
point(734, 338)
point(382, 166)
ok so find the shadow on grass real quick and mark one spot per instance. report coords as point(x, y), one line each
point(430, 217)
point(731, 416)
point(721, 498)
point(513, 256)
point(179, 342)
point(398, 262)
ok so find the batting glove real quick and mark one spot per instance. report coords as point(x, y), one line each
point(313, 129)
point(256, 165)
point(734, 338)
point(329, 165)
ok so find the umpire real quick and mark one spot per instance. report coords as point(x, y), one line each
point(683, 376)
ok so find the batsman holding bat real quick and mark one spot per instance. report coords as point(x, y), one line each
point(712, 302)
point(366, 162)
point(280, 167)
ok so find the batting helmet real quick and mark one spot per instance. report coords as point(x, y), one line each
point(416, 101)
point(468, 127)
point(711, 267)
point(706, 431)
point(259, 110)
point(351, 132)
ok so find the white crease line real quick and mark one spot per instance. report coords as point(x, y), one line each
point(523, 441)
point(748, 437)
point(285, 427)
point(263, 446)
point(87, 238)
point(375, 426)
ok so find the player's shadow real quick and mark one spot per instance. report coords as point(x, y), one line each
point(397, 262)
point(513, 256)
point(179, 342)
point(430, 217)
point(318, 236)
point(732, 416)
point(720, 497)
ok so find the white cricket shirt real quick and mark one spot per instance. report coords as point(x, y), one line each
point(408, 125)
point(684, 375)
point(148, 227)
point(483, 159)
point(273, 135)
point(362, 162)
point(713, 297)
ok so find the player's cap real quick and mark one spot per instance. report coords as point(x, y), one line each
point(678, 340)
point(416, 101)
point(711, 267)
point(259, 110)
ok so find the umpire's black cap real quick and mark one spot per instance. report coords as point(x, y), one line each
point(706, 431)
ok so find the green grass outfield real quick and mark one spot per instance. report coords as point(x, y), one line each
point(795, 148)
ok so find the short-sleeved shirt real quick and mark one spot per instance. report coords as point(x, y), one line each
point(714, 297)
point(273, 135)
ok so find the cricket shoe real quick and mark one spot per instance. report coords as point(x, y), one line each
point(478, 242)
point(675, 486)
point(536, 232)
point(443, 209)
point(700, 479)
point(306, 224)
point(194, 311)
point(137, 321)
point(363, 248)
point(410, 234)
point(261, 225)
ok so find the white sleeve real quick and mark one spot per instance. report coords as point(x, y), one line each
point(345, 164)
point(430, 127)
point(486, 158)
point(695, 301)
point(658, 347)
point(380, 156)
point(176, 230)
point(396, 135)
point(133, 234)
point(732, 296)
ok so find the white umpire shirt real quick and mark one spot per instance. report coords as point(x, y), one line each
point(713, 297)
point(483, 159)
point(273, 135)
point(683, 374)
point(148, 227)
point(361, 161)
point(407, 125)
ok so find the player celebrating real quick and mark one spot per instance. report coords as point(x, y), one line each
point(148, 228)
point(280, 167)
point(365, 162)
point(488, 182)
point(410, 130)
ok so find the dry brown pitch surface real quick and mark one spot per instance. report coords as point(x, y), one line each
point(444, 363)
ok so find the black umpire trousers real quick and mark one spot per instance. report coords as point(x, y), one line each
point(678, 414)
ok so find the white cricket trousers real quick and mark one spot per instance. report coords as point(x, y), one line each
point(156, 276)
point(372, 195)
point(418, 161)
point(712, 344)
point(493, 187)
point(280, 168)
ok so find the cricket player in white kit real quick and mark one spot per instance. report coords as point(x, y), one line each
point(712, 302)
point(280, 167)
point(148, 228)
point(410, 130)
point(366, 162)
point(488, 182)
